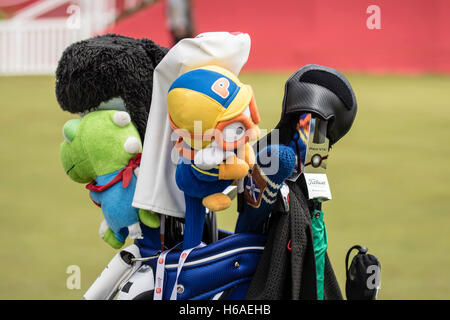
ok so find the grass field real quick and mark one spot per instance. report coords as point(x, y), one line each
point(389, 178)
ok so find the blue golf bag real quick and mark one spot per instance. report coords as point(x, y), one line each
point(221, 270)
point(271, 255)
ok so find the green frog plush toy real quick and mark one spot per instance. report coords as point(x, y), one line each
point(103, 149)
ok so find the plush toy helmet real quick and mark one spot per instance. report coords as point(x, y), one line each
point(214, 96)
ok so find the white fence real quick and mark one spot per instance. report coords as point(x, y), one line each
point(34, 46)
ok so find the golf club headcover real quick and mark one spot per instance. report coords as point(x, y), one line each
point(324, 92)
point(274, 164)
point(213, 96)
point(363, 276)
point(103, 149)
point(109, 71)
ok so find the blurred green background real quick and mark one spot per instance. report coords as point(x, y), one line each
point(389, 178)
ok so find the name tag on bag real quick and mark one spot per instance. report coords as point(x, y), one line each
point(316, 161)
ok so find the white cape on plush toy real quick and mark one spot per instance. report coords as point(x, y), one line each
point(156, 189)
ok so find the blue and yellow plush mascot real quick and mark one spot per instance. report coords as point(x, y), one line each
point(215, 116)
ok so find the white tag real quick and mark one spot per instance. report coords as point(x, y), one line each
point(316, 161)
point(159, 274)
point(160, 267)
point(318, 187)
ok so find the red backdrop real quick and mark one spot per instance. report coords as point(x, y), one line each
point(414, 35)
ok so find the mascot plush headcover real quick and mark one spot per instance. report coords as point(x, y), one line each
point(215, 116)
point(103, 149)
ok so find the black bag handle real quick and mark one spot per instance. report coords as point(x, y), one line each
point(361, 249)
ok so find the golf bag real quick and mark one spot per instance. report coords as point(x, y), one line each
point(280, 261)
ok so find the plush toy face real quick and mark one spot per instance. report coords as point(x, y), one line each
point(99, 143)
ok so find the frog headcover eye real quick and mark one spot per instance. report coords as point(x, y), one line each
point(70, 129)
point(121, 118)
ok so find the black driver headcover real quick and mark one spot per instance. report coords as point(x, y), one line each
point(322, 91)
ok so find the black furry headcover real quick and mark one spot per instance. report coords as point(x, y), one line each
point(109, 66)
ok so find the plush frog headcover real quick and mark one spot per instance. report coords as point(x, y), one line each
point(103, 149)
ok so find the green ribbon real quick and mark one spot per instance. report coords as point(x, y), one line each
point(320, 242)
